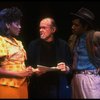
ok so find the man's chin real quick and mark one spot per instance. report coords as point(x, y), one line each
point(42, 37)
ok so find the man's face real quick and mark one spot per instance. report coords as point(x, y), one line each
point(46, 29)
point(77, 27)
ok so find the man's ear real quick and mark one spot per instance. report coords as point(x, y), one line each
point(54, 29)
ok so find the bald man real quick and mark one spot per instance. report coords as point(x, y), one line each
point(52, 57)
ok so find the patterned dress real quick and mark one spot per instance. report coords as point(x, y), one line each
point(14, 57)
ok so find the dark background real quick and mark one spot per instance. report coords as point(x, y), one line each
point(60, 10)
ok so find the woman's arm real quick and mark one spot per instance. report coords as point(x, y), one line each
point(25, 73)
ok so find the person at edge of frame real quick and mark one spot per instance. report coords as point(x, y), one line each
point(84, 44)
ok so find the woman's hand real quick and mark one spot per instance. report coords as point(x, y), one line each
point(26, 73)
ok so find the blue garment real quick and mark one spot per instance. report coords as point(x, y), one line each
point(83, 61)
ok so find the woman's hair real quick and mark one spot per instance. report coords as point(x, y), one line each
point(8, 15)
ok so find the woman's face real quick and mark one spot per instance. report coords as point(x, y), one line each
point(77, 27)
point(14, 28)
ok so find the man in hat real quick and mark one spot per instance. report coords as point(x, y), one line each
point(85, 47)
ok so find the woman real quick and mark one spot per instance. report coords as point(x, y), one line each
point(13, 72)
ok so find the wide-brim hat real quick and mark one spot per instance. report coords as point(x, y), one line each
point(86, 15)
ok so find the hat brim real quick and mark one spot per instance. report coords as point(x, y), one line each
point(90, 22)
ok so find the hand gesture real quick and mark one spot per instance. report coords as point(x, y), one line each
point(62, 66)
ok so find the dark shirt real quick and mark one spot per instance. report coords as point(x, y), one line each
point(47, 53)
point(51, 84)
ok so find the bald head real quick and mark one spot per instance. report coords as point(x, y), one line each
point(48, 21)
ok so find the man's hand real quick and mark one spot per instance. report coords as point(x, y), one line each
point(62, 66)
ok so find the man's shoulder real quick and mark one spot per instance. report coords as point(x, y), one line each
point(34, 42)
point(62, 41)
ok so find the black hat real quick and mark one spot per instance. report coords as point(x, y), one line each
point(86, 15)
